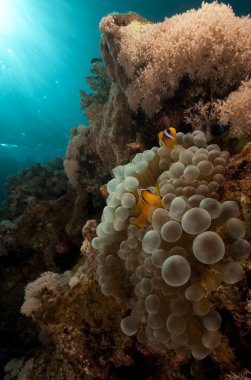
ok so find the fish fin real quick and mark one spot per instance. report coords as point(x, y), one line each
point(157, 188)
point(140, 221)
point(160, 136)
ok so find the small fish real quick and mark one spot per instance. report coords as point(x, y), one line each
point(222, 128)
point(148, 200)
point(167, 137)
point(103, 191)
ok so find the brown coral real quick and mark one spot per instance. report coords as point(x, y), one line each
point(236, 111)
point(201, 45)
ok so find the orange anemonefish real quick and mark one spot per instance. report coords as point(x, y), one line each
point(147, 202)
point(167, 137)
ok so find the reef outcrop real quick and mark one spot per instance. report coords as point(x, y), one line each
point(39, 182)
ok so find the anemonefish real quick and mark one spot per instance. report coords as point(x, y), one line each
point(167, 137)
point(148, 200)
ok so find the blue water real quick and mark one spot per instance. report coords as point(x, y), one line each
point(45, 51)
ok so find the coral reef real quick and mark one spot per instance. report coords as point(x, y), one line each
point(191, 72)
point(235, 110)
point(79, 337)
point(203, 116)
point(238, 183)
point(28, 248)
point(18, 368)
point(86, 173)
point(48, 283)
point(232, 113)
point(99, 83)
point(175, 66)
point(82, 166)
point(243, 375)
point(38, 182)
point(172, 65)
